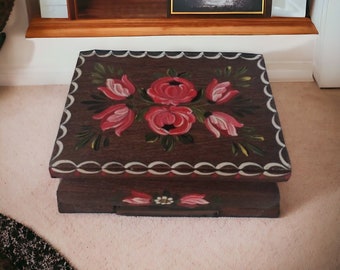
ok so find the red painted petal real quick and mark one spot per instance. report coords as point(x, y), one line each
point(108, 111)
point(194, 199)
point(110, 94)
point(135, 193)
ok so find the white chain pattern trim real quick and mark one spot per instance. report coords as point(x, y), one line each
point(138, 168)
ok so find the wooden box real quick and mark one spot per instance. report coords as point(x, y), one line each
point(170, 134)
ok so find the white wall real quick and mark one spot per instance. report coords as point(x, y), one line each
point(51, 61)
point(325, 14)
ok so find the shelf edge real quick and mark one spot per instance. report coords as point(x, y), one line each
point(54, 28)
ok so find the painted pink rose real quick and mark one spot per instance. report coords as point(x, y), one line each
point(220, 92)
point(172, 91)
point(193, 200)
point(118, 89)
point(138, 198)
point(173, 120)
point(219, 123)
point(118, 117)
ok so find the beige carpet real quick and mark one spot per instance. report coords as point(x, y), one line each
point(307, 236)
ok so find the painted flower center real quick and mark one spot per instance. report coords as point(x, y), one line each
point(175, 83)
point(164, 200)
point(168, 127)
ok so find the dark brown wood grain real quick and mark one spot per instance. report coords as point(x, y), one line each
point(121, 9)
point(198, 174)
point(225, 198)
point(132, 146)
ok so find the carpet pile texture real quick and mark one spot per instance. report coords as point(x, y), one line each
point(21, 248)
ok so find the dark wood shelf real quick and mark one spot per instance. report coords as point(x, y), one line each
point(103, 9)
point(42, 28)
point(102, 18)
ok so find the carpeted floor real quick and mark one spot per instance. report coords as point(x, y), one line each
point(306, 236)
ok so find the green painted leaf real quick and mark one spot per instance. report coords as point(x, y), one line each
point(199, 113)
point(258, 138)
point(186, 138)
point(140, 114)
point(99, 96)
point(234, 149)
point(91, 102)
point(241, 71)
point(84, 133)
point(168, 143)
point(97, 108)
point(200, 93)
point(245, 79)
point(256, 150)
point(111, 70)
point(185, 75)
point(200, 118)
point(241, 101)
point(144, 95)
point(120, 72)
point(83, 140)
point(98, 81)
point(228, 71)
point(238, 113)
point(96, 75)
point(95, 145)
point(248, 129)
point(243, 149)
point(99, 68)
point(152, 137)
point(218, 72)
point(172, 72)
point(106, 142)
point(242, 84)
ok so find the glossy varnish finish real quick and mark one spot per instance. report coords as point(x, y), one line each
point(104, 9)
point(168, 26)
point(150, 18)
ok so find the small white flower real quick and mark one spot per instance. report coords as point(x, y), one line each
point(164, 200)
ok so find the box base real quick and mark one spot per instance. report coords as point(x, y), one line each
point(169, 198)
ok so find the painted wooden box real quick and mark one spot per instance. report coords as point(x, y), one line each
point(170, 134)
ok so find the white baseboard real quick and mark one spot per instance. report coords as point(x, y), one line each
point(290, 71)
point(17, 77)
point(277, 72)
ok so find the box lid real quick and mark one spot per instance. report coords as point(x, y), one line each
point(170, 114)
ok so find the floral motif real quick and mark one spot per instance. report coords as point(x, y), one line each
point(221, 123)
point(193, 200)
point(171, 105)
point(118, 117)
point(164, 200)
point(138, 198)
point(172, 91)
point(143, 199)
point(118, 89)
point(220, 92)
point(173, 120)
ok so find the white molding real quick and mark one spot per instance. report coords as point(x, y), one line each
point(325, 15)
point(35, 76)
point(52, 60)
point(294, 71)
point(277, 72)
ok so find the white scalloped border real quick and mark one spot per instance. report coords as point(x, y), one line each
point(172, 169)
